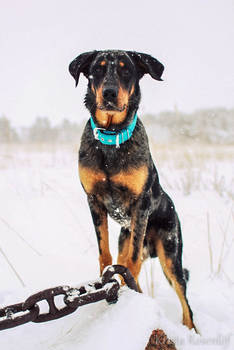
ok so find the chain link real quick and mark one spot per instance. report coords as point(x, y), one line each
point(105, 288)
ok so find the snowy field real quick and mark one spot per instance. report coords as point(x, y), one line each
point(47, 239)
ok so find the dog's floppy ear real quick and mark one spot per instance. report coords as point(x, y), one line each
point(147, 64)
point(81, 64)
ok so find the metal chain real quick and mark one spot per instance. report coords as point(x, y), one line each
point(105, 288)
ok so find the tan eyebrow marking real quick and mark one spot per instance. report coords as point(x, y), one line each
point(103, 63)
point(121, 64)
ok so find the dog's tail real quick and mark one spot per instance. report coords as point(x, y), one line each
point(186, 274)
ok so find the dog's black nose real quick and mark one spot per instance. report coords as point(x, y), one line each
point(110, 93)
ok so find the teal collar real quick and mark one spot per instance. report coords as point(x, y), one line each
point(113, 138)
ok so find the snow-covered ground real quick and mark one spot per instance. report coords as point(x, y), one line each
point(46, 234)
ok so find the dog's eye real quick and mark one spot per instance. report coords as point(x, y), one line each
point(98, 70)
point(126, 72)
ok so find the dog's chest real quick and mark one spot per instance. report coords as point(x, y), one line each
point(116, 191)
point(130, 181)
point(118, 207)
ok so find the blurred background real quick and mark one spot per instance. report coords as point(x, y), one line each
point(38, 40)
point(193, 39)
point(189, 118)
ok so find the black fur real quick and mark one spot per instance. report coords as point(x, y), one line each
point(152, 210)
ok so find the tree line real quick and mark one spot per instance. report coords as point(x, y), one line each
point(41, 131)
point(207, 125)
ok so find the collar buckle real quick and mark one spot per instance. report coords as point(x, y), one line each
point(95, 132)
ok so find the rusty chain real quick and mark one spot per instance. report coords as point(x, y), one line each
point(29, 311)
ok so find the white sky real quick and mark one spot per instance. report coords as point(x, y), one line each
point(38, 40)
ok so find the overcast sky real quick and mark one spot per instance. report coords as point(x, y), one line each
point(38, 40)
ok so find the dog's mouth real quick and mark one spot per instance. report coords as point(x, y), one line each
point(109, 113)
point(110, 106)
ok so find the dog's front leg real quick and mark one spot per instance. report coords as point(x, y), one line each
point(99, 215)
point(130, 253)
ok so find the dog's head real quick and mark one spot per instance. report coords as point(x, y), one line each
point(113, 90)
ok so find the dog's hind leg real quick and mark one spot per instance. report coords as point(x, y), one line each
point(169, 254)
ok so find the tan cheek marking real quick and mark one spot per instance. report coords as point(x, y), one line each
point(122, 100)
point(89, 178)
point(93, 89)
point(99, 97)
point(132, 91)
point(133, 179)
point(122, 97)
point(103, 117)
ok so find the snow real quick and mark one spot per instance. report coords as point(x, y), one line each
point(72, 294)
point(46, 233)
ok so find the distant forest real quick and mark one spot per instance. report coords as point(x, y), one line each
point(208, 126)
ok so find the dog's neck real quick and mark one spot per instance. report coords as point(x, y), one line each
point(113, 138)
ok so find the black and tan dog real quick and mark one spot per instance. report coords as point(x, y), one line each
point(117, 172)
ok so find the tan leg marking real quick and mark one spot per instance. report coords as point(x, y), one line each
point(105, 257)
point(168, 270)
point(135, 266)
point(123, 256)
point(132, 252)
point(125, 259)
